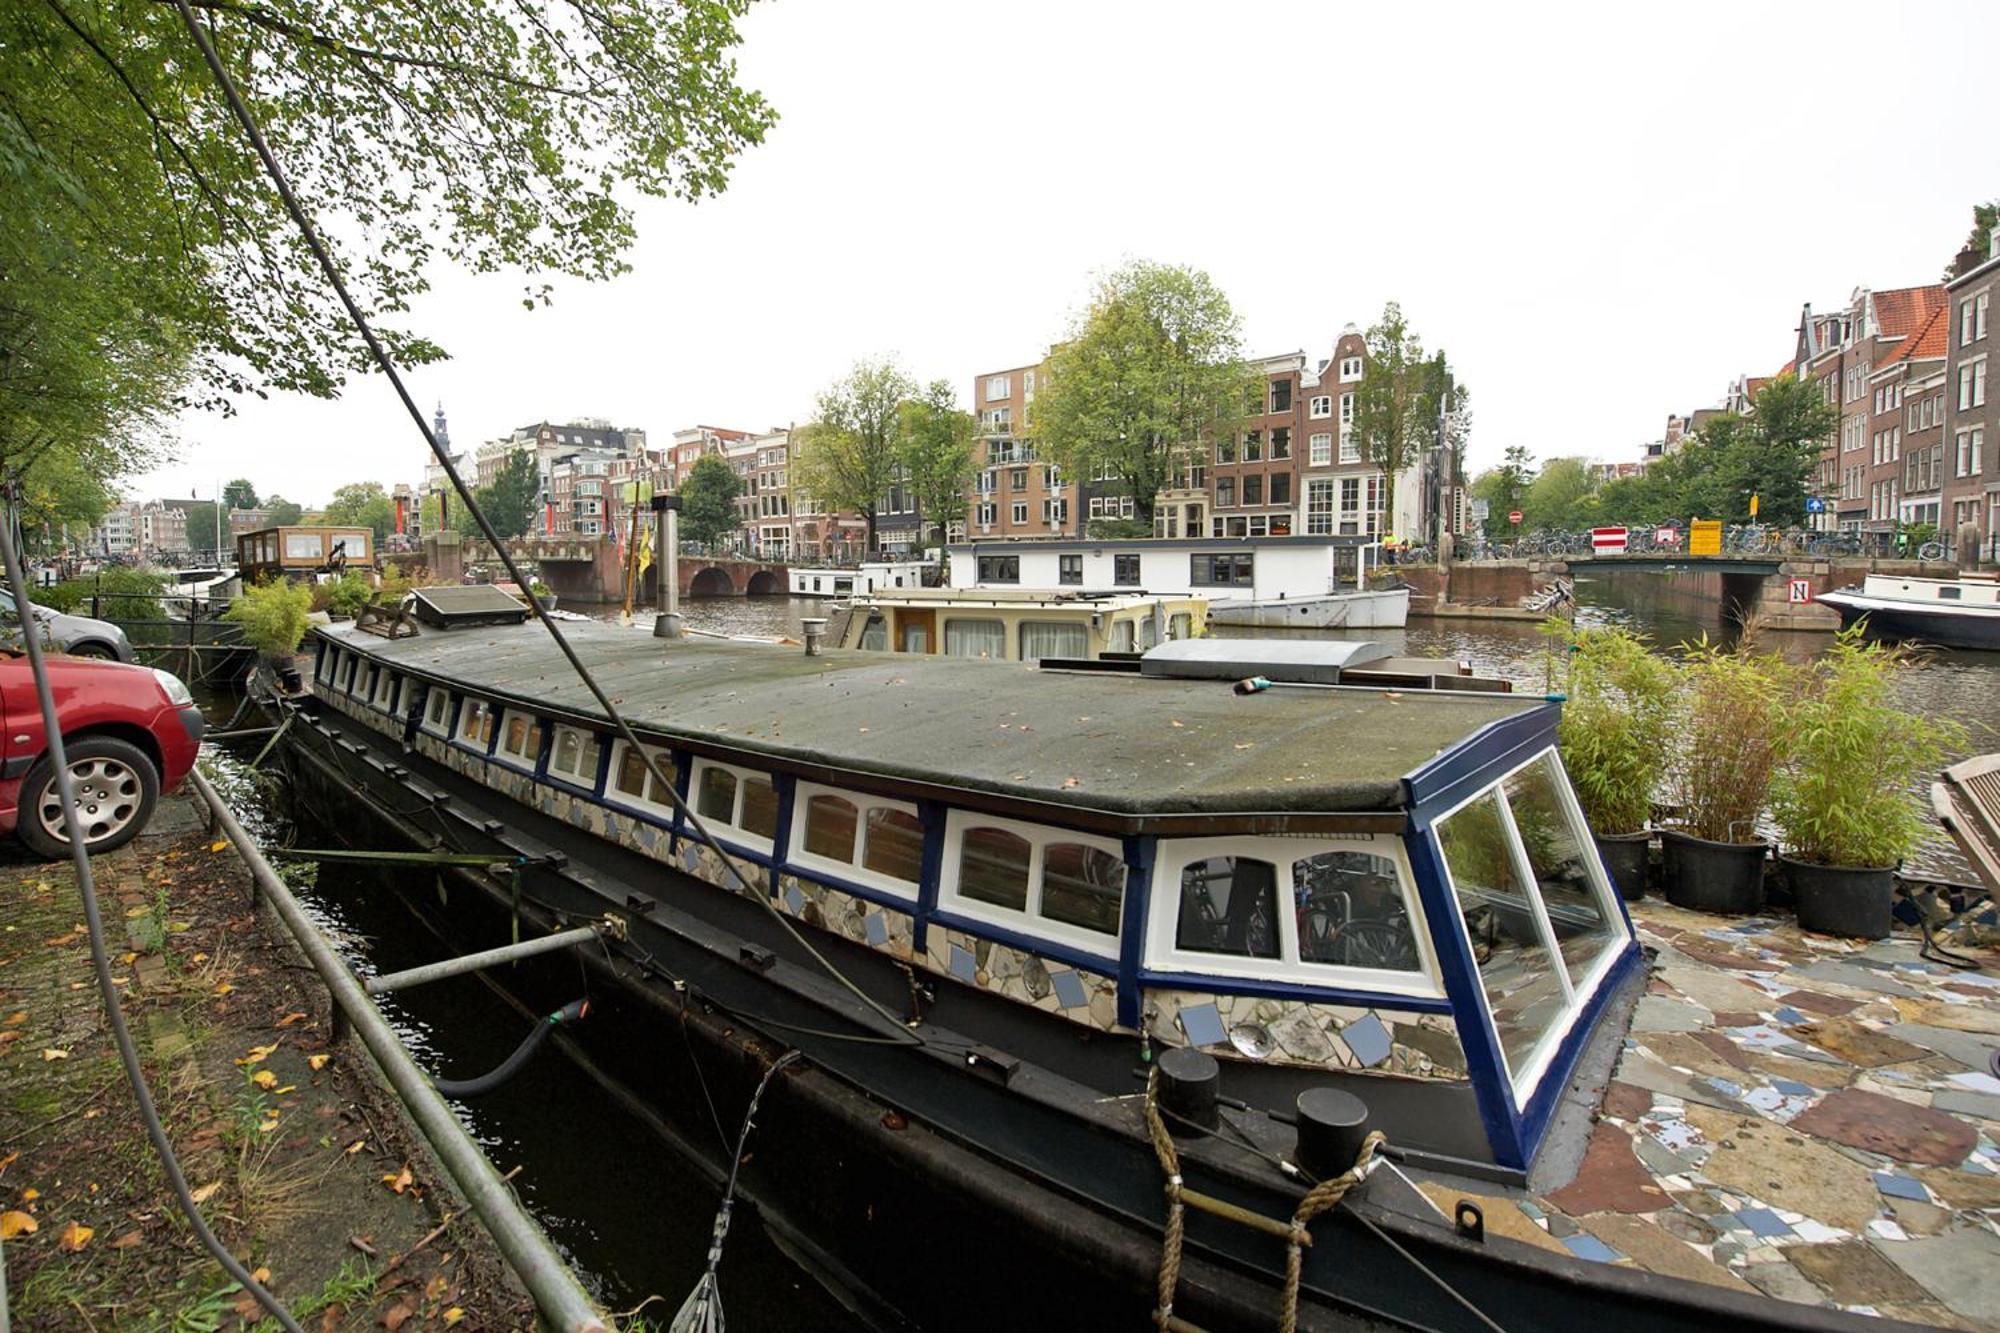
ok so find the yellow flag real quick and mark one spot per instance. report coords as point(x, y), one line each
point(1753, 506)
point(645, 547)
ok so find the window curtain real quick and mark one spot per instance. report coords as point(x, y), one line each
point(975, 638)
point(1042, 638)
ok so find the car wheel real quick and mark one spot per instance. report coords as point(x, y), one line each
point(116, 788)
point(102, 652)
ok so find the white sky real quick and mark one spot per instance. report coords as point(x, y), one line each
point(1602, 212)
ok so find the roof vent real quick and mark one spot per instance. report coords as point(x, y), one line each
point(1289, 661)
point(466, 606)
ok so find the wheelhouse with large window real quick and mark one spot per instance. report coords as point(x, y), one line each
point(1392, 891)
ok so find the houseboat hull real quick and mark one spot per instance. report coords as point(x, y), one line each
point(1941, 626)
point(1045, 1185)
point(1388, 608)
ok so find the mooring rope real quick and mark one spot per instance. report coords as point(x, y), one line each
point(1176, 1224)
point(1321, 1198)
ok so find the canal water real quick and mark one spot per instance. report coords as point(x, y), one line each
point(619, 1203)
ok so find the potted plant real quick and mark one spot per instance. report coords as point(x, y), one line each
point(1845, 799)
point(543, 594)
point(1617, 716)
point(1728, 736)
point(273, 617)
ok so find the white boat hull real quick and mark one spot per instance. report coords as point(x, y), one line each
point(1387, 608)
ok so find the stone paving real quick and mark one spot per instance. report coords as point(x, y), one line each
point(1812, 1118)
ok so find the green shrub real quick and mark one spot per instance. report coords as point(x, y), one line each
point(1616, 719)
point(124, 595)
point(1728, 739)
point(1845, 794)
point(344, 597)
point(273, 616)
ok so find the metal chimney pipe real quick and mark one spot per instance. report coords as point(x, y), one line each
point(815, 628)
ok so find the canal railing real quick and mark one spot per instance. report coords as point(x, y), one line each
point(558, 1295)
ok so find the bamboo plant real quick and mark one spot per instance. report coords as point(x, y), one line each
point(1617, 717)
point(273, 616)
point(1729, 738)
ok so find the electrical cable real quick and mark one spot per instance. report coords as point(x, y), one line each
point(380, 356)
point(121, 1035)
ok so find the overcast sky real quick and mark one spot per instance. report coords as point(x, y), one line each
point(1602, 213)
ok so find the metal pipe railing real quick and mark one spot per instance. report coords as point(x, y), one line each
point(473, 962)
point(555, 1290)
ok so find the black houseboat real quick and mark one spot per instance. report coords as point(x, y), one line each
point(1059, 880)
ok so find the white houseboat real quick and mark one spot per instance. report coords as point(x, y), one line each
point(1014, 625)
point(1962, 612)
point(869, 576)
point(1295, 582)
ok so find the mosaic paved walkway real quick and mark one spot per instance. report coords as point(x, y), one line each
point(1812, 1118)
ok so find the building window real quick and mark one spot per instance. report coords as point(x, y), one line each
point(1017, 480)
point(1321, 407)
point(1125, 570)
point(989, 514)
point(1020, 512)
point(1319, 508)
point(999, 569)
point(1234, 570)
point(1281, 488)
point(1970, 446)
point(1281, 396)
point(997, 387)
point(1350, 369)
point(1347, 409)
point(1253, 446)
point(1253, 490)
point(1225, 492)
point(1281, 444)
point(1225, 451)
point(1350, 448)
point(1069, 569)
point(1319, 449)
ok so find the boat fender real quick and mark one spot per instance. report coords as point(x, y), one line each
point(572, 1012)
point(1190, 1083)
point(1252, 685)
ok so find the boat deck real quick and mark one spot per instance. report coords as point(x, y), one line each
point(1812, 1118)
point(1126, 745)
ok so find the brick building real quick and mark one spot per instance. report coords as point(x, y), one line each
point(1972, 413)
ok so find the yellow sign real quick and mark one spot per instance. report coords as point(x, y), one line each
point(1753, 506)
point(1705, 537)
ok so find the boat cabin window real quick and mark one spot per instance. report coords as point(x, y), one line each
point(1311, 911)
point(1948, 594)
point(1053, 638)
point(329, 665)
point(999, 569)
point(1180, 625)
point(520, 736)
point(1125, 570)
point(475, 723)
point(347, 665)
point(741, 798)
point(385, 690)
point(304, 546)
point(875, 633)
point(866, 838)
point(1534, 904)
point(1232, 570)
point(633, 783)
point(975, 638)
point(437, 711)
point(1068, 886)
point(1121, 636)
point(364, 680)
point(573, 756)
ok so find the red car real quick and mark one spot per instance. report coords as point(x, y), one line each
point(130, 732)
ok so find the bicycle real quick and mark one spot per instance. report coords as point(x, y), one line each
point(1932, 551)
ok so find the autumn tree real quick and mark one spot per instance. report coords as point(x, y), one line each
point(708, 500)
point(1146, 381)
point(850, 455)
point(1406, 404)
point(934, 452)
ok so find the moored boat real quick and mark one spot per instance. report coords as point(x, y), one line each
point(1368, 608)
point(1961, 612)
point(1013, 625)
point(1050, 880)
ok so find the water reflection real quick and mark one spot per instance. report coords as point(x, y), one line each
point(1670, 609)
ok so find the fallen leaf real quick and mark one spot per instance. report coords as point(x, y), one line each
point(53, 1053)
point(74, 1237)
point(199, 958)
point(15, 1019)
point(14, 1224)
point(318, 1062)
point(264, 1078)
point(30, 1195)
point(399, 1314)
point(260, 1275)
point(224, 988)
point(436, 1287)
point(127, 1241)
point(1244, 745)
point(128, 956)
point(218, 844)
point(6, 1037)
point(9, 1160)
point(355, 1147)
point(290, 1019)
point(258, 1054)
point(1176, 722)
point(400, 1181)
point(453, 1315)
point(1072, 782)
point(134, 913)
point(206, 1192)
point(289, 1087)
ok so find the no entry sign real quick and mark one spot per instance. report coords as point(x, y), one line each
point(1607, 541)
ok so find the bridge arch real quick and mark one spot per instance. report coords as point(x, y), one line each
point(711, 581)
point(764, 583)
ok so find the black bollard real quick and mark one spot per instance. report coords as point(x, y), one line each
point(1189, 1082)
point(1332, 1124)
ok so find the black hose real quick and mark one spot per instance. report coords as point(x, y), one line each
point(512, 1065)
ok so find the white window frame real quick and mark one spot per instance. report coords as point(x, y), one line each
point(1173, 855)
point(344, 673)
point(1029, 922)
point(1575, 995)
point(1321, 408)
point(512, 758)
point(466, 713)
point(664, 758)
point(1350, 369)
point(586, 738)
point(437, 713)
point(384, 676)
point(734, 823)
point(999, 387)
point(854, 870)
point(1319, 449)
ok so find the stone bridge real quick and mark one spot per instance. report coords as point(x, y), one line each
point(588, 570)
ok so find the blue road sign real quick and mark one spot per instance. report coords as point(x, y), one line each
point(1815, 505)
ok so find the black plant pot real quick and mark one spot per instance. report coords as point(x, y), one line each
point(1712, 876)
point(1855, 901)
point(1625, 857)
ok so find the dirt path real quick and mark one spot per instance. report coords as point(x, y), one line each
point(298, 1155)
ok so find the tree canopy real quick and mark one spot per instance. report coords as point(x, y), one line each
point(362, 504)
point(935, 453)
point(240, 494)
point(513, 497)
point(1504, 488)
point(280, 512)
point(1407, 403)
point(1147, 380)
point(708, 500)
point(850, 455)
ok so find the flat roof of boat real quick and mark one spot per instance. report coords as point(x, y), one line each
point(1126, 745)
